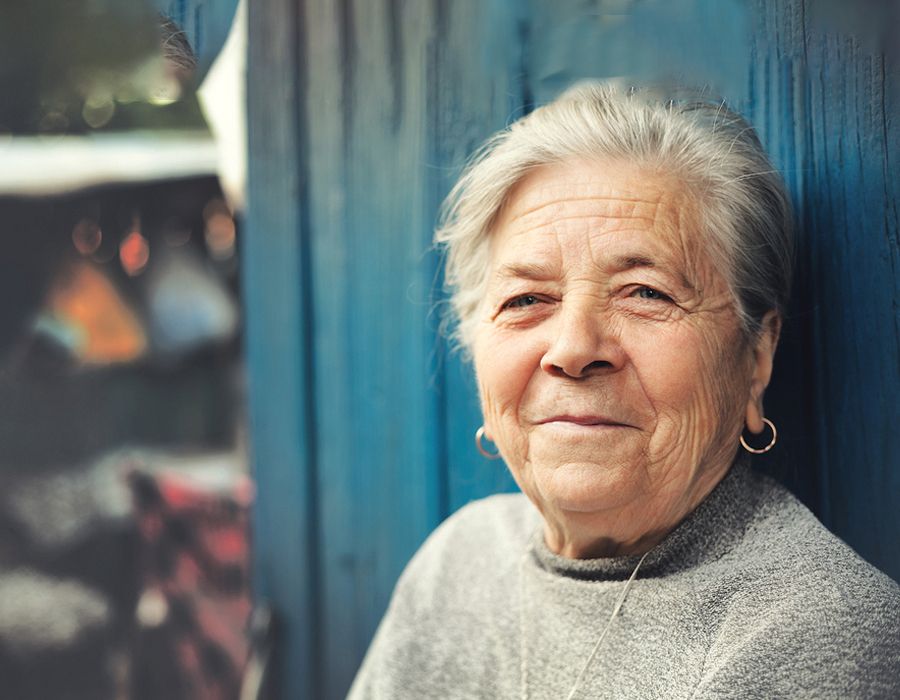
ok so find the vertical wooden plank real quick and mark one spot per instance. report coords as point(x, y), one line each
point(380, 484)
point(275, 269)
point(853, 237)
point(777, 105)
point(820, 100)
point(479, 84)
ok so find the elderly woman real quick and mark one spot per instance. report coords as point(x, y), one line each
point(620, 268)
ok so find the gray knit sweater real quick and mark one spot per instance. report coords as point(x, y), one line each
point(749, 597)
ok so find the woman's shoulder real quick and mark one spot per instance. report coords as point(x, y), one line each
point(464, 568)
point(800, 607)
point(454, 585)
point(488, 531)
point(787, 556)
point(504, 517)
point(792, 587)
point(786, 542)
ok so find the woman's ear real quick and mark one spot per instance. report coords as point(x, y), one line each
point(763, 357)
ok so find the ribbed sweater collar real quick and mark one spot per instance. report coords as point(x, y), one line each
point(709, 531)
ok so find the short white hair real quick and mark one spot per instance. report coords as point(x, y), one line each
point(741, 202)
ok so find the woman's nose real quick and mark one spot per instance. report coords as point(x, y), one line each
point(583, 344)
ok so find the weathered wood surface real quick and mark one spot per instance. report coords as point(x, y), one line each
point(361, 115)
point(276, 278)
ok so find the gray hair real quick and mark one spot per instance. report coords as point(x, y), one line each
point(745, 213)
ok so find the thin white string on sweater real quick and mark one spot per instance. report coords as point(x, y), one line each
point(592, 655)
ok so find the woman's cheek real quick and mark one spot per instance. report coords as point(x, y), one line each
point(696, 392)
point(673, 370)
point(498, 408)
point(504, 369)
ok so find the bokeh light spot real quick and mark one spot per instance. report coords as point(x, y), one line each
point(219, 230)
point(98, 111)
point(152, 609)
point(134, 253)
point(176, 234)
point(220, 236)
point(87, 236)
point(165, 92)
point(53, 120)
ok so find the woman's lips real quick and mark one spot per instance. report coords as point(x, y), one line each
point(587, 421)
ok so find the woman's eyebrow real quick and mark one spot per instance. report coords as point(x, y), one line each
point(541, 272)
point(623, 263)
point(530, 271)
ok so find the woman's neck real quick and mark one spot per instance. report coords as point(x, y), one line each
point(629, 530)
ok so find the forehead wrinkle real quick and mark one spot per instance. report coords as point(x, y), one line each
point(591, 224)
point(600, 207)
point(648, 203)
point(623, 254)
point(667, 251)
point(545, 259)
point(689, 241)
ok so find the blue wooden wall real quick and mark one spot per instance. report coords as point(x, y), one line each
point(361, 114)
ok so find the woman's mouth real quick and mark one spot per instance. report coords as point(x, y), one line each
point(586, 421)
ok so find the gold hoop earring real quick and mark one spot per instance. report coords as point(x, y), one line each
point(479, 434)
point(767, 447)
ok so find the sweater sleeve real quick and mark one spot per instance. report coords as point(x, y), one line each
point(827, 642)
point(395, 658)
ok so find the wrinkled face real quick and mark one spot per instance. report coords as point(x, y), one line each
point(611, 365)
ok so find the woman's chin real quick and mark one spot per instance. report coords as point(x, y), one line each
point(583, 487)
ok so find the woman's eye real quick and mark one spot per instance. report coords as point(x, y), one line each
point(521, 302)
point(650, 293)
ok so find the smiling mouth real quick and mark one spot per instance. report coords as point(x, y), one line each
point(584, 421)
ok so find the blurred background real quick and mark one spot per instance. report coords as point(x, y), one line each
point(227, 410)
point(124, 487)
